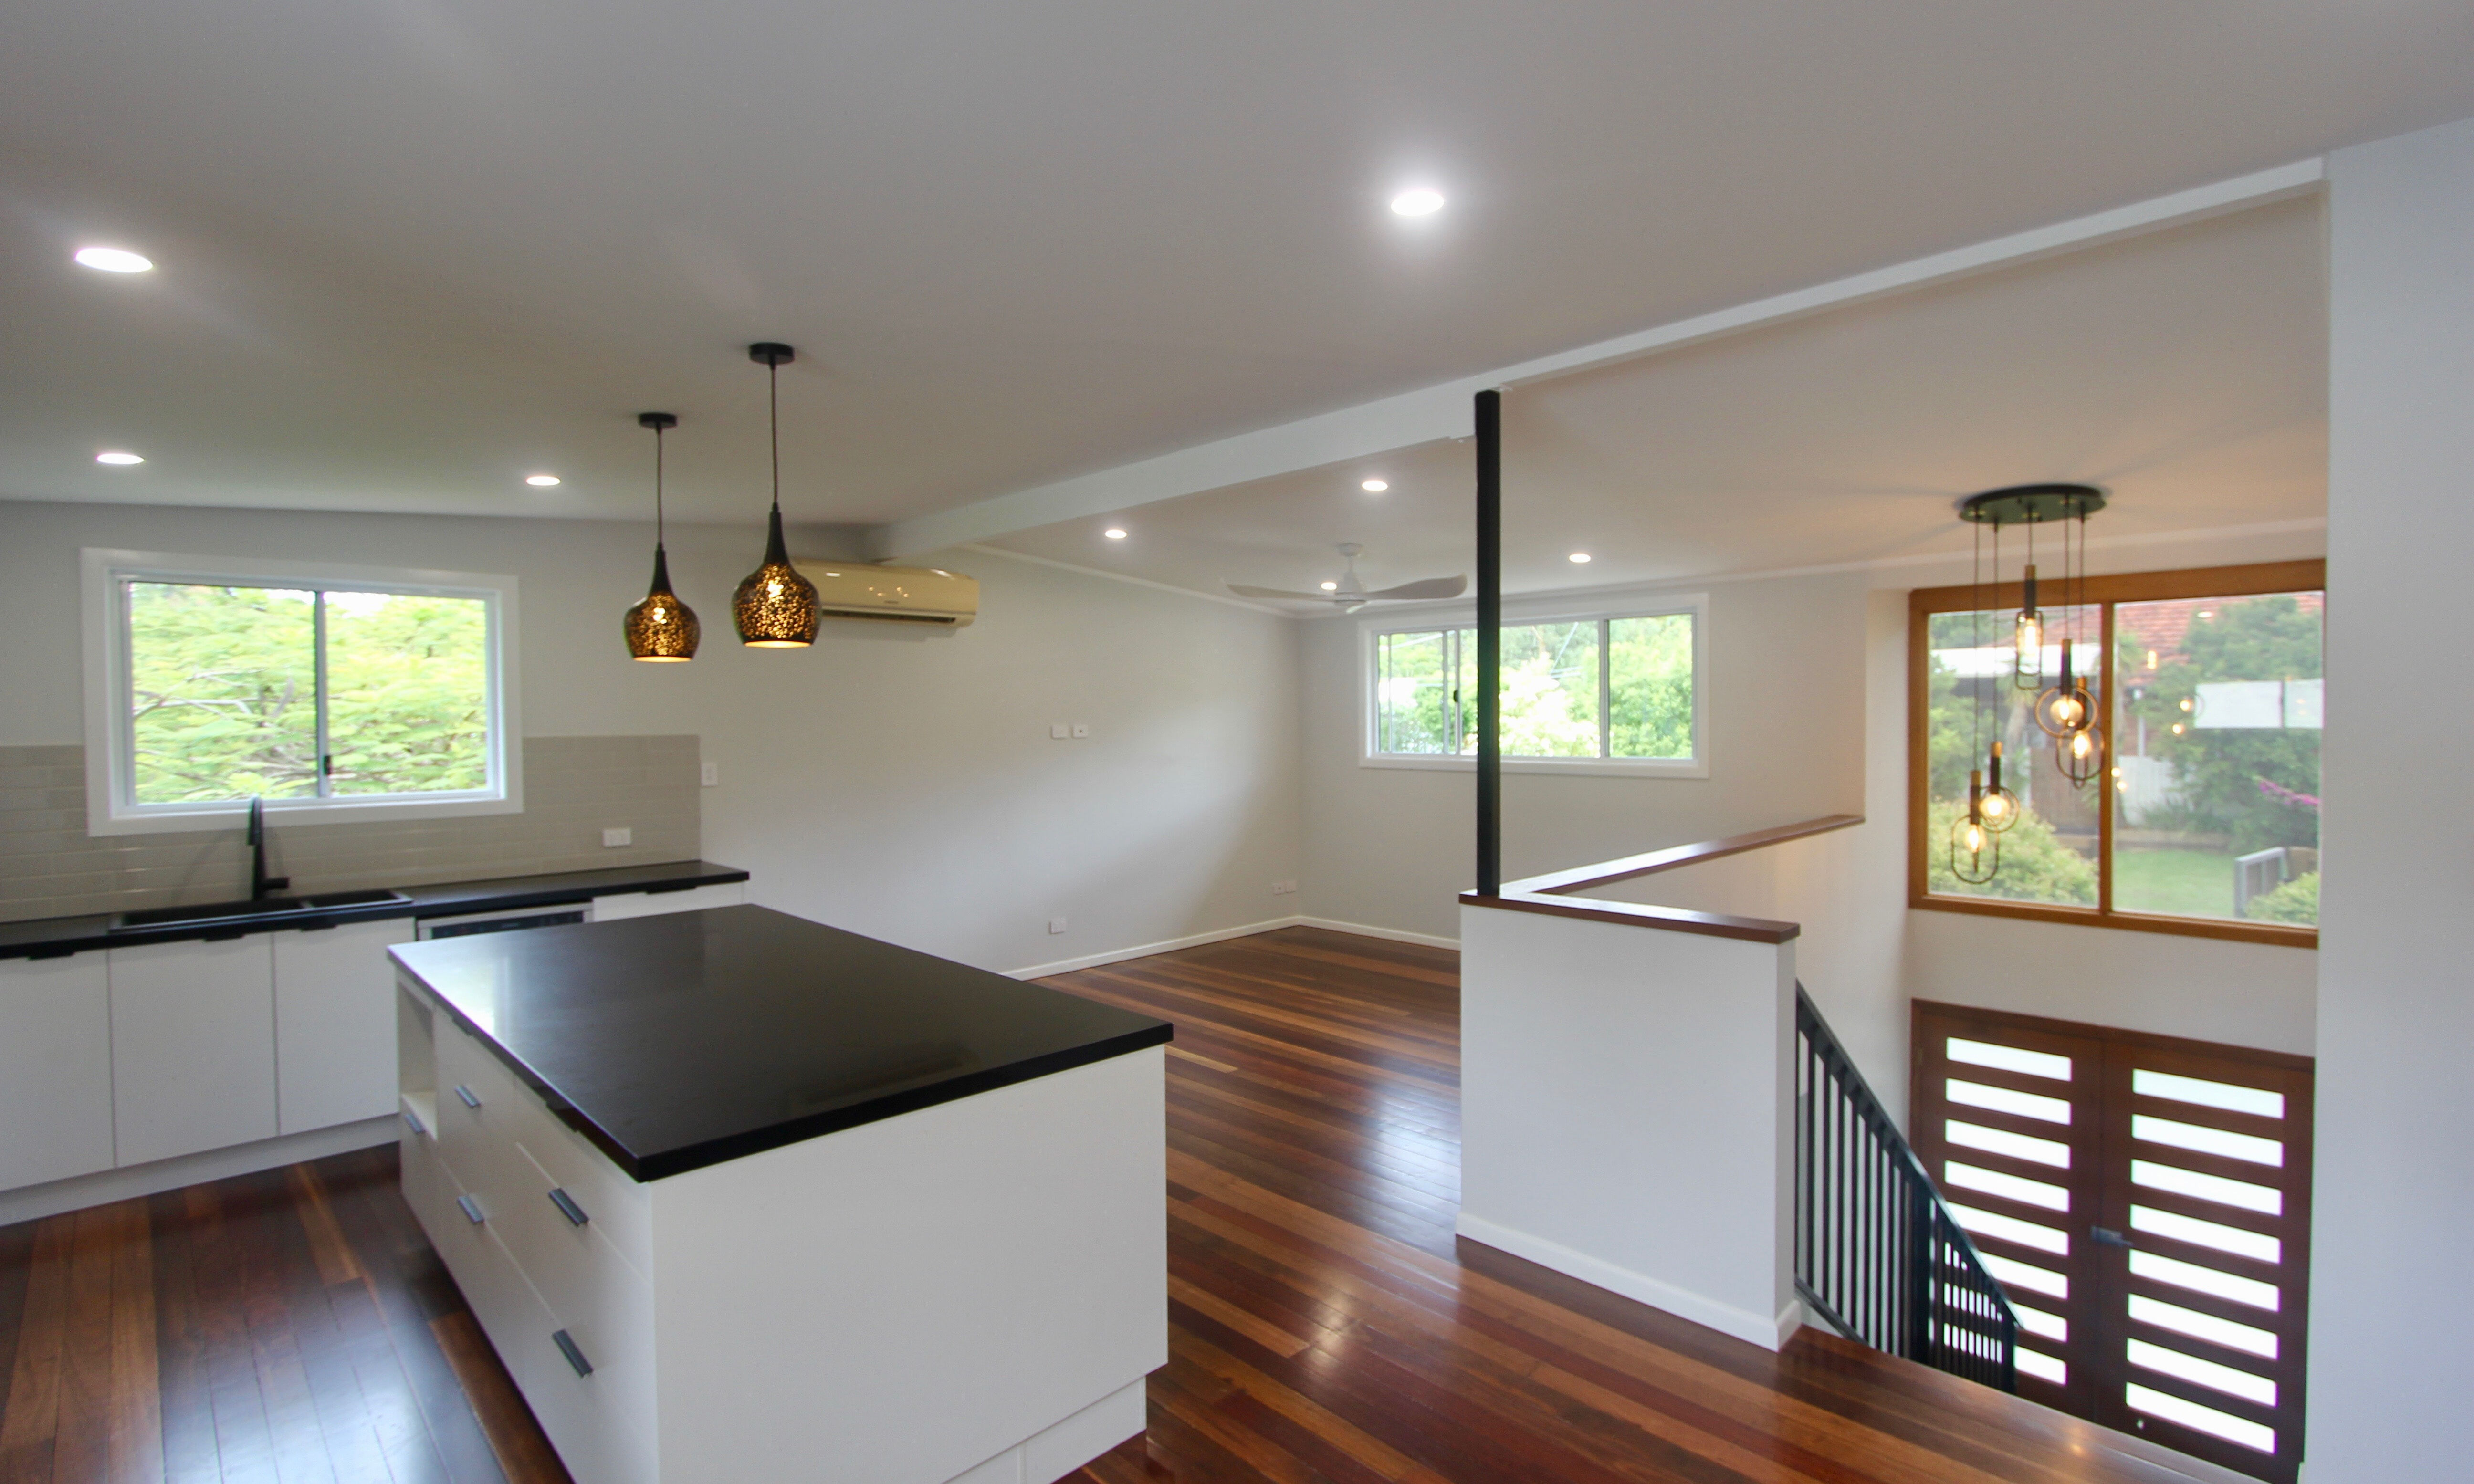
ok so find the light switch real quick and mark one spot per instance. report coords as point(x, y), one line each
point(1057, 730)
point(713, 775)
point(1056, 924)
point(622, 835)
point(1082, 728)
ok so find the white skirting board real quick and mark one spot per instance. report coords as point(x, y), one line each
point(1769, 1332)
point(32, 1203)
point(1222, 935)
point(1053, 1452)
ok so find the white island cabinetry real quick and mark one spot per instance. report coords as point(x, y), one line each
point(971, 1290)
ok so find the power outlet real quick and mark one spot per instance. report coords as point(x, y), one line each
point(1056, 924)
point(617, 837)
point(1081, 729)
point(1284, 889)
point(713, 775)
point(1058, 731)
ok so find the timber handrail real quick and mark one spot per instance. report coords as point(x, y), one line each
point(1553, 893)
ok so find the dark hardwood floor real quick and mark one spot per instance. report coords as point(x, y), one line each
point(1325, 1324)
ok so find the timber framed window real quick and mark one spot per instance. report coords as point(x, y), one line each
point(2204, 819)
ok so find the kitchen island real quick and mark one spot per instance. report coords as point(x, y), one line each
point(739, 1196)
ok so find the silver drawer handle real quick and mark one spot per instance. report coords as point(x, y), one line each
point(566, 1206)
point(412, 1122)
point(466, 1093)
point(472, 1210)
point(574, 1357)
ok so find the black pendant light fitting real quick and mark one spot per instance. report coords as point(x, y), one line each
point(775, 608)
point(661, 629)
point(2067, 710)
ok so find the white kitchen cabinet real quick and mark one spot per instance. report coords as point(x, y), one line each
point(334, 1024)
point(192, 1046)
point(55, 1068)
point(649, 904)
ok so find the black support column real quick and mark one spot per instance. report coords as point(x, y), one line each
point(1489, 644)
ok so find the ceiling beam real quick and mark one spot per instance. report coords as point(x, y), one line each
point(1442, 410)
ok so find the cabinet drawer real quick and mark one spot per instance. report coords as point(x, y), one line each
point(477, 1133)
point(601, 1299)
point(649, 904)
point(512, 1124)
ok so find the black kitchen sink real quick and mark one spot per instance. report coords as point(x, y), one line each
point(268, 906)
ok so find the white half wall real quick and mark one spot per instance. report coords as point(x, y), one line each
point(2389, 1306)
point(896, 783)
point(1627, 1112)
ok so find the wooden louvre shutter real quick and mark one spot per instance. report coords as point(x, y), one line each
point(2145, 1203)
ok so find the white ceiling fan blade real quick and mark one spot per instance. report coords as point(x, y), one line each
point(1432, 586)
point(1242, 591)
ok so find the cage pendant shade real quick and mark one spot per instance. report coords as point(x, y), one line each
point(775, 608)
point(1975, 851)
point(661, 630)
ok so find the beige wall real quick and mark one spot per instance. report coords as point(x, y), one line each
point(899, 783)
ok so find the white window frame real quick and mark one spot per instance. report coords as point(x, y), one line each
point(1562, 608)
point(111, 802)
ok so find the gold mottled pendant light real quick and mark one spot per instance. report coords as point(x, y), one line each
point(775, 607)
point(661, 629)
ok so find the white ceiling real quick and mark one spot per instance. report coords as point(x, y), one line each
point(2185, 372)
point(414, 249)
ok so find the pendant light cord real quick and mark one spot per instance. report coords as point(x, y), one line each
point(1975, 640)
point(773, 414)
point(659, 524)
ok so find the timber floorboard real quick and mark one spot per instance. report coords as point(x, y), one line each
point(1324, 1325)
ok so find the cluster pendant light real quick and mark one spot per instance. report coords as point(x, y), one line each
point(775, 607)
point(661, 629)
point(2065, 710)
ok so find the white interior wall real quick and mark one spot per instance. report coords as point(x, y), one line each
point(2389, 1311)
point(897, 782)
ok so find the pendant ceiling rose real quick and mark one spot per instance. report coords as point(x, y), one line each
point(661, 629)
point(2023, 504)
point(775, 608)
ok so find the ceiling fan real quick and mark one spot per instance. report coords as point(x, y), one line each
point(1349, 593)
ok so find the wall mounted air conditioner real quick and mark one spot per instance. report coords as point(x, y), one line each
point(896, 594)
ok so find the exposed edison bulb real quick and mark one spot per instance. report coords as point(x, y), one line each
point(2186, 703)
point(1974, 838)
point(2032, 639)
point(2177, 728)
point(1995, 805)
point(2080, 746)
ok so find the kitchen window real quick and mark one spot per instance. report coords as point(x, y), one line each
point(332, 692)
point(2204, 817)
point(1588, 693)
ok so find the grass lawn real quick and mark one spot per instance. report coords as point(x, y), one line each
point(2185, 883)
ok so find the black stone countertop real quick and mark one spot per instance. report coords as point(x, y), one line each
point(679, 1042)
point(44, 937)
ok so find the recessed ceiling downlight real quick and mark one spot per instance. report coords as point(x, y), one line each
point(1331, 587)
point(1114, 533)
point(118, 458)
point(540, 481)
point(1417, 201)
point(1375, 486)
point(1580, 557)
point(111, 260)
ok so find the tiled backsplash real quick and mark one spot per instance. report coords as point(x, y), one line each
point(575, 786)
